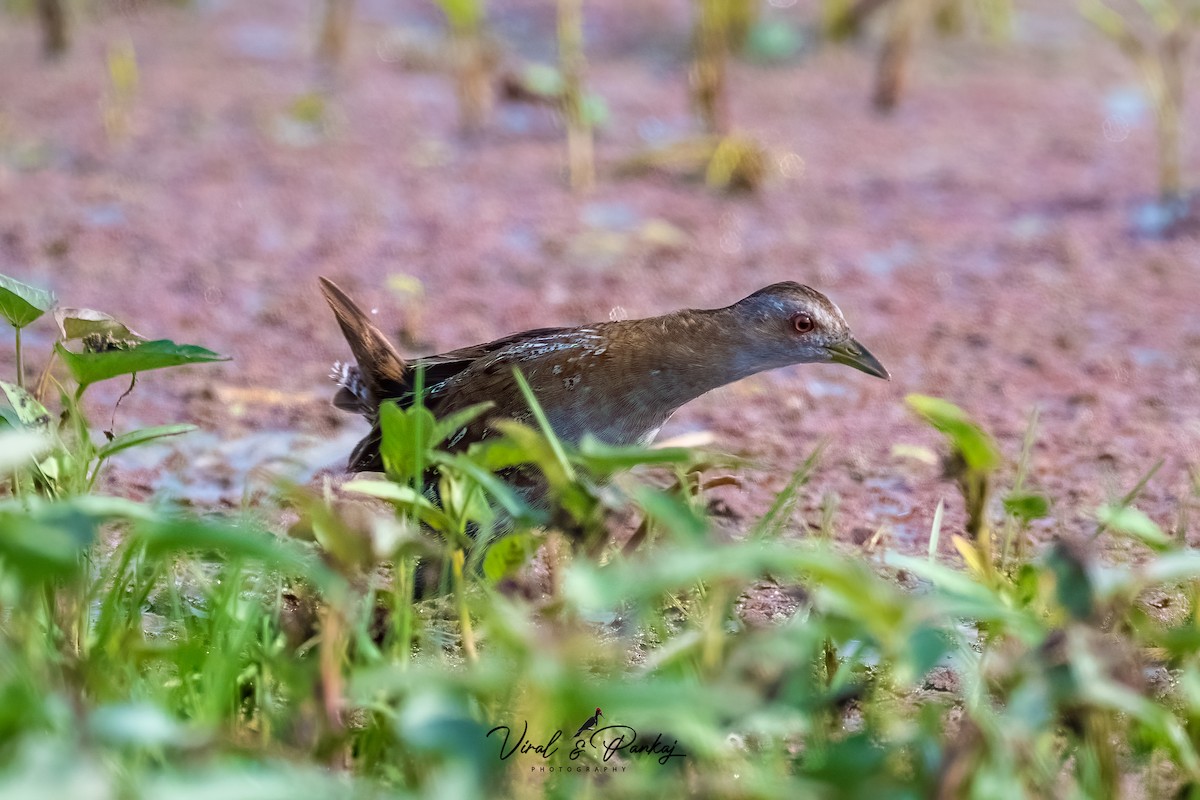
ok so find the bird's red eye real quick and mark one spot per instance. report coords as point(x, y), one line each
point(803, 323)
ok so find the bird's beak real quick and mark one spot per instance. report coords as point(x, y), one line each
point(853, 354)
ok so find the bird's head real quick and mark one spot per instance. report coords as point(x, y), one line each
point(598, 713)
point(787, 323)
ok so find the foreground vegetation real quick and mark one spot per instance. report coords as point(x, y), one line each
point(146, 651)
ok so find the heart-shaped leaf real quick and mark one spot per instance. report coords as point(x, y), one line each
point(21, 303)
point(77, 323)
point(89, 368)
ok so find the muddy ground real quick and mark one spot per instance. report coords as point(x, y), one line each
point(979, 241)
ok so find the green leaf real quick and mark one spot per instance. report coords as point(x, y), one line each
point(594, 110)
point(464, 501)
point(543, 79)
point(141, 437)
point(976, 446)
point(671, 512)
point(1072, 584)
point(1135, 523)
point(522, 444)
point(1027, 506)
point(140, 725)
point(47, 543)
point(405, 498)
point(1172, 568)
point(544, 425)
point(21, 303)
point(504, 494)
point(452, 423)
point(19, 448)
point(76, 323)
point(508, 555)
point(771, 524)
point(605, 459)
point(89, 368)
point(773, 41)
point(169, 535)
point(29, 412)
point(462, 14)
point(927, 645)
point(407, 435)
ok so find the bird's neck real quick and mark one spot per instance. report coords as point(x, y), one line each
point(675, 358)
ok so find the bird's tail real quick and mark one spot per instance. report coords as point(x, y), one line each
point(380, 369)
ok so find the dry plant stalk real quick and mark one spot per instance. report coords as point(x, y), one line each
point(581, 162)
point(1161, 64)
point(894, 57)
point(52, 15)
point(121, 93)
point(742, 16)
point(332, 35)
point(708, 69)
point(472, 60)
point(843, 19)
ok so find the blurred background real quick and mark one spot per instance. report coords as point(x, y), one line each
point(996, 194)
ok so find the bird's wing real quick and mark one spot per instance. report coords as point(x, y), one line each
point(463, 356)
point(443, 367)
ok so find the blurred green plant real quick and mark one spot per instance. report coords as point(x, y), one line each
point(1160, 55)
point(842, 19)
point(581, 163)
point(733, 163)
point(54, 19)
point(710, 43)
point(333, 34)
point(22, 304)
point(121, 92)
point(94, 347)
point(473, 59)
point(174, 655)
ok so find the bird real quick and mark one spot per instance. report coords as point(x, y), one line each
point(618, 381)
point(589, 723)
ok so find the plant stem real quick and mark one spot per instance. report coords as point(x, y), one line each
point(472, 62)
point(86, 451)
point(20, 359)
point(52, 14)
point(580, 144)
point(332, 36)
point(1166, 87)
point(708, 71)
point(464, 615)
point(892, 68)
point(403, 606)
point(843, 19)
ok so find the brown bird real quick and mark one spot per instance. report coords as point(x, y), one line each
point(619, 381)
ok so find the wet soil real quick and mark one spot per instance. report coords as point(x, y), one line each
point(979, 241)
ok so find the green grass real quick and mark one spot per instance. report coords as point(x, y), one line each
point(147, 652)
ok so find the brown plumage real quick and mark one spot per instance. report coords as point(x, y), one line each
point(619, 381)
